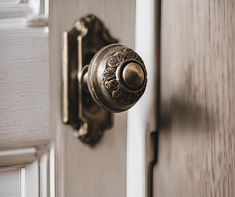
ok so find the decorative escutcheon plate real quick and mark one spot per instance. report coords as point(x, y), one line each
point(80, 111)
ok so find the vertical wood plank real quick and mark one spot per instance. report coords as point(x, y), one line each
point(81, 170)
point(197, 136)
point(142, 117)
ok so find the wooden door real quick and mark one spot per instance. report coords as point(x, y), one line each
point(83, 170)
point(196, 143)
point(31, 118)
point(26, 149)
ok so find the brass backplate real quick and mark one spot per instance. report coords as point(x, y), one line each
point(80, 111)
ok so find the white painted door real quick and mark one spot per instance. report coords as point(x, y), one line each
point(81, 169)
point(26, 151)
point(117, 166)
point(32, 132)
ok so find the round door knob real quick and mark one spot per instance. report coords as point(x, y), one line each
point(116, 77)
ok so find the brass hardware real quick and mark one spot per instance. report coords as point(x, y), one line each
point(133, 76)
point(99, 77)
point(112, 77)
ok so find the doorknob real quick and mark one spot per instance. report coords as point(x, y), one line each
point(116, 78)
point(100, 76)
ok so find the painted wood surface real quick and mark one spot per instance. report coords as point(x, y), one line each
point(27, 172)
point(26, 156)
point(197, 135)
point(24, 77)
point(10, 183)
point(142, 118)
point(82, 170)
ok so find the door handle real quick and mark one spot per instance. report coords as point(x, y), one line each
point(116, 78)
point(100, 77)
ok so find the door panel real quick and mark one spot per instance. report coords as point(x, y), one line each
point(26, 154)
point(24, 77)
point(83, 170)
point(196, 150)
point(10, 183)
point(142, 118)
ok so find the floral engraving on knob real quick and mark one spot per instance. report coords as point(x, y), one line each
point(111, 81)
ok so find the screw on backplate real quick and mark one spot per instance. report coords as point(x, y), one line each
point(83, 130)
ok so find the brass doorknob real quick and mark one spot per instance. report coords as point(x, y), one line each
point(99, 77)
point(116, 77)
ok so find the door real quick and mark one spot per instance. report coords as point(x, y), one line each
point(26, 148)
point(116, 165)
point(196, 142)
point(41, 156)
point(83, 170)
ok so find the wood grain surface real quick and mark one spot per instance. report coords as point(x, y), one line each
point(197, 135)
point(82, 170)
point(24, 78)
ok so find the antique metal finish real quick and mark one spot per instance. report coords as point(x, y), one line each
point(116, 77)
point(79, 109)
point(133, 76)
point(99, 77)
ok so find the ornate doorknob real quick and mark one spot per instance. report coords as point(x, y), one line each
point(99, 77)
point(116, 77)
